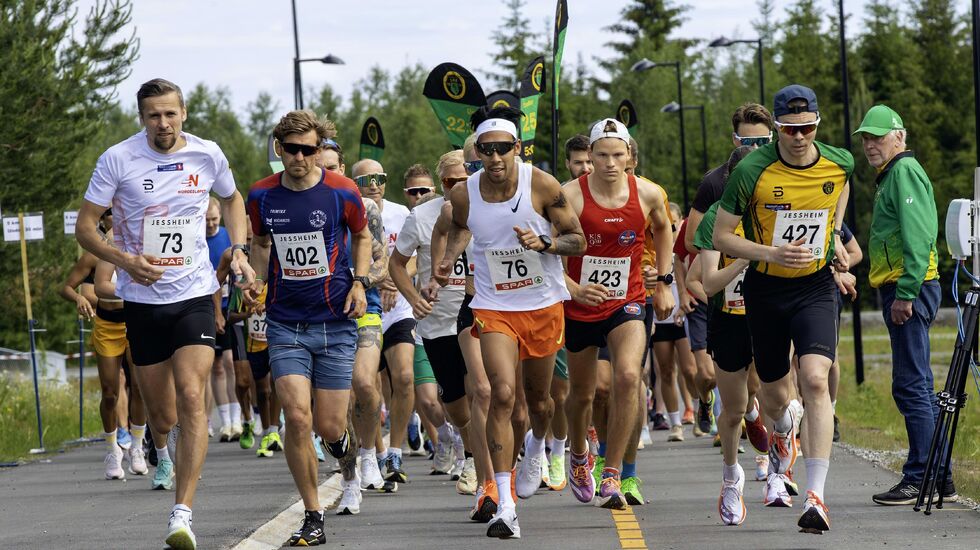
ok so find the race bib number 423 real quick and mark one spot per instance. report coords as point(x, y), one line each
point(302, 256)
point(809, 225)
point(514, 269)
point(612, 273)
point(171, 240)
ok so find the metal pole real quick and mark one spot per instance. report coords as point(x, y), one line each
point(37, 393)
point(762, 77)
point(680, 101)
point(554, 121)
point(297, 79)
point(851, 199)
point(704, 143)
point(81, 374)
point(975, 12)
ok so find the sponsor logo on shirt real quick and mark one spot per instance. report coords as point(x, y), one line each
point(190, 185)
point(632, 308)
point(627, 237)
point(778, 207)
point(174, 167)
point(828, 187)
point(777, 192)
point(318, 218)
point(613, 220)
point(147, 185)
point(595, 239)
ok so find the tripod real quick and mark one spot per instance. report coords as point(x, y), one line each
point(951, 400)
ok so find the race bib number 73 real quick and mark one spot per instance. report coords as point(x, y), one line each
point(170, 240)
point(809, 225)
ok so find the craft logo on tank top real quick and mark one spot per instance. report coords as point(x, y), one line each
point(627, 237)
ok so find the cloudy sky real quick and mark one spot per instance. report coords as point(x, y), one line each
point(247, 45)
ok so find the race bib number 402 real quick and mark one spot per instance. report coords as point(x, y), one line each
point(809, 225)
point(302, 256)
point(171, 240)
point(514, 269)
point(612, 273)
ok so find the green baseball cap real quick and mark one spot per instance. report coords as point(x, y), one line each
point(880, 120)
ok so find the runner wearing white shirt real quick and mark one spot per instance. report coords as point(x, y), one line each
point(157, 183)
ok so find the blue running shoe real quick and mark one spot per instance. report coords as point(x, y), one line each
point(414, 436)
point(319, 449)
point(163, 479)
point(123, 438)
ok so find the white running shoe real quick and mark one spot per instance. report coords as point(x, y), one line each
point(350, 503)
point(761, 467)
point(137, 462)
point(504, 525)
point(370, 473)
point(798, 412)
point(731, 505)
point(775, 493)
point(443, 461)
point(457, 469)
point(179, 534)
point(236, 431)
point(528, 474)
point(645, 438)
point(113, 464)
point(467, 479)
point(172, 443)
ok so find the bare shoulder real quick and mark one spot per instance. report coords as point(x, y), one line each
point(573, 194)
point(650, 192)
point(548, 193)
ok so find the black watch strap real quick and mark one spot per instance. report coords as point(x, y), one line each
point(243, 247)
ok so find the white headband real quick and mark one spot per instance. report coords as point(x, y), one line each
point(599, 131)
point(496, 125)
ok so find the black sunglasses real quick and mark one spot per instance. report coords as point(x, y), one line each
point(473, 166)
point(418, 191)
point(296, 148)
point(499, 147)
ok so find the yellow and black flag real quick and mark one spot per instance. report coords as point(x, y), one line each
point(626, 114)
point(455, 94)
point(502, 98)
point(561, 26)
point(532, 86)
point(372, 140)
point(275, 161)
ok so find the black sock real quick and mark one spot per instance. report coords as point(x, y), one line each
point(338, 449)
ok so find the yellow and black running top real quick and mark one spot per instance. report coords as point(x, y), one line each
point(780, 203)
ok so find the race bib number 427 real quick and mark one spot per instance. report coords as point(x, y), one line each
point(170, 240)
point(514, 269)
point(809, 225)
point(302, 256)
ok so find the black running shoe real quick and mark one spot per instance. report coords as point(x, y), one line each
point(704, 416)
point(902, 494)
point(836, 428)
point(151, 454)
point(660, 422)
point(395, 472)
point(311, 532)
point(949, 492)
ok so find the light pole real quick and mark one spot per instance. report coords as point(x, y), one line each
point(673, 107)
point(725, 42)
point(645, 65)
point(329, 59)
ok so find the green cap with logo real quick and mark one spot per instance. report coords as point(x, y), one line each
point(880, 120)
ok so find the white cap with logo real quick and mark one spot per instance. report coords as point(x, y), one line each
point(599, 131)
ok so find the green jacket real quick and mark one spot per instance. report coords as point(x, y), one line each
point(904, 226)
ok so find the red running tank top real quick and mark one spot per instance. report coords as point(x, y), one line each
point(613, 255)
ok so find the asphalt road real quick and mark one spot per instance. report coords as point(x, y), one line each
point(67, 504)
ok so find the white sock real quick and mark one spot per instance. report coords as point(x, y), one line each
point(224, 411)
point(138, 432)
point(364, 452)
point(675, 418)
point(785, 423)
point(110, 441)
point(382, 455)
point(397, 451)
point(533, 446)
point(236, 412)
point(816, 474)
point(272, 429)
point(730, 473)
point(557, 446)
point(182, 508)
point(163, 454)
point(503, 489)
point(445, 432)
point(833, 405)
point(753, 414)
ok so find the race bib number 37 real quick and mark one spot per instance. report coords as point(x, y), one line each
point(170, 240)
point(612, 273)
point(256, 327)
point(514, 269)
point(302, 256)
point(809, 225)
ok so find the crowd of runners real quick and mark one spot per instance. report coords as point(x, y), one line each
point(495, 322)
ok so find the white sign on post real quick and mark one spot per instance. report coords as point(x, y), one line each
point(70, 217)
point(33, 227)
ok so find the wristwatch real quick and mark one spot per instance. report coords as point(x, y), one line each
point(365, 282)
point(666, 279)
point(243, 247)
point(546, 241)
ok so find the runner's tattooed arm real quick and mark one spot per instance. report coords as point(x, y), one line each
point(379, 253)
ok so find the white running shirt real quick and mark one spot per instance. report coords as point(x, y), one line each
point(158, 206)
point(507, 277)
point(416, 236)
point(393, 216)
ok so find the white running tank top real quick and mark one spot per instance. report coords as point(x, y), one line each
point(508, 277)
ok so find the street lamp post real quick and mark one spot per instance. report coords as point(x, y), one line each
point(645, 65)
point(329, 59)
point(673, 107)
point(725, 42)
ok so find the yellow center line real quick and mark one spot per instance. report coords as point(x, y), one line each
point(628, 529)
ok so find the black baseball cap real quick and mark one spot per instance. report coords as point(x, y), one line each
point(794, 92)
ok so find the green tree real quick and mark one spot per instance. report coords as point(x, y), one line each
point(58, 82)
point(210, 116)
point(514, 47)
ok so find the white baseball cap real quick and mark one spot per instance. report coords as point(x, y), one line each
point(599, 131)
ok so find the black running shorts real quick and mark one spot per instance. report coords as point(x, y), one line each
point(729, 341)
point(464, 319)
point(580, 335)
point(780, 310)
point(259, 362)
point(156, 331)
point(667, 332)
point(237, 333)
point(448, 366)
